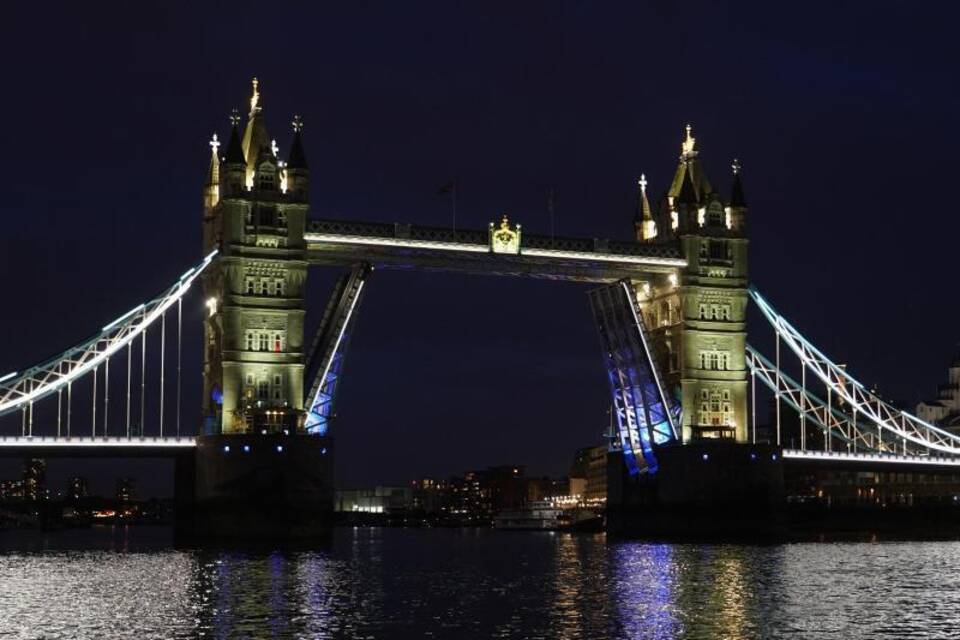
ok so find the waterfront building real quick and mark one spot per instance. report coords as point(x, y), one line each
point(77, 487)
point(379, 499)
point(35, 479)
point(944, 409)
point(126, 490)
point(589, 473)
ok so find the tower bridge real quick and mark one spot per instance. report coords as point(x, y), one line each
point(669, 303)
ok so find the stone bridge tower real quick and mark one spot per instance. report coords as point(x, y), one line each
point(698, 316)
point(255, 209)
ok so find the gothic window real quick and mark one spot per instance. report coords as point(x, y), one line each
point(703, 312)
point(281, 218)
point(718, 250)
point(268, 288)
point(250, 347)
point(715, 217)
point(276, 343)
point(267, 216)
point(266, 180)
point(263, 390)
point(264, 342)
point(703, 249)
point(725, 312)
point(279, 287)
point(250, 379)
point(249, 286)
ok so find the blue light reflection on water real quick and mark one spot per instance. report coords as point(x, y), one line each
point(394, 583)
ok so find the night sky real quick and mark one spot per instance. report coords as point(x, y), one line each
point(842, 113)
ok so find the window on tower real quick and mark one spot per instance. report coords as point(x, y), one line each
point(266, 181)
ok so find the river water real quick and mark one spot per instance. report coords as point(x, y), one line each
point(432, 583)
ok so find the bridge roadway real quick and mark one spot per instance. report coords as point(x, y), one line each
point(96, 447)
point(167, 447)
point(403, 246)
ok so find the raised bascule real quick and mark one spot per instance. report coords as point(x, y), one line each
point(670, 306)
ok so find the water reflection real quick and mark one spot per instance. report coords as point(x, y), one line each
point(477, 584)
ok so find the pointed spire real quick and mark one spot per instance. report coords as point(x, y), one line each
point(255, 98)
point(213, 171)
point(297, 158)
point(737, 198)
point(687, 147)
point(643, 205)
point(234, 153)
point(689, 171)
point(643, 221)
point(256, 142)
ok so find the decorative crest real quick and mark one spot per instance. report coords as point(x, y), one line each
point(297, 124)
point(643, 183)
point(214, 144)
point(735, 166)
point(235, 117)
point(255, 98)
point(688, 146)
point(505, 239)
point(274, 148)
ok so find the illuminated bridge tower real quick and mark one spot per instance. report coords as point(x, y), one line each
point(698, 316)
point(255, 208)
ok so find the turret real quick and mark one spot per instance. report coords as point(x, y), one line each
point(643, 222)
point(211, 186)
point(737, 209)
point(296, 173)
point(233, 175)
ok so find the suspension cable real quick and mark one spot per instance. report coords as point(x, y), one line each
point(179, 357)
point(163, 353)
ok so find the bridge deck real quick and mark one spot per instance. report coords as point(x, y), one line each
point(96, 447)
point(399, 246)
point(871, 461)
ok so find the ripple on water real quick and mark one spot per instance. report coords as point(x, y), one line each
point(395, 583)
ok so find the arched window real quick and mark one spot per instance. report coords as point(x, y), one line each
point(276, 343)
point(264, 342)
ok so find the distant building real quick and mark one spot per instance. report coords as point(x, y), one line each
point(126, 490)
point(589, 474)
point(77, 488)
point(35, 479)
point(11, 490)
point(374, 500)
point(430, 496)
point(944, 409)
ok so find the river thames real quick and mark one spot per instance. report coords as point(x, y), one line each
point(473, 583)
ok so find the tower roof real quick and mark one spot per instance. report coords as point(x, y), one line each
point(297, 158)
point(255, 137)
point(689, 170)
point(737, 198)
point(234, 153)
point(687, 193)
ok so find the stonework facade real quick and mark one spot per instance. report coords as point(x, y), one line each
point(255, 209)
point(697, 316)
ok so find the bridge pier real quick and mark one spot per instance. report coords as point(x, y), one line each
point(256, 487)
point(703, 490)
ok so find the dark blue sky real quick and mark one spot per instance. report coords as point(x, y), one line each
point(842, 114)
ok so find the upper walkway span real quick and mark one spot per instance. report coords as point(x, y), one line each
point(399, 246)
